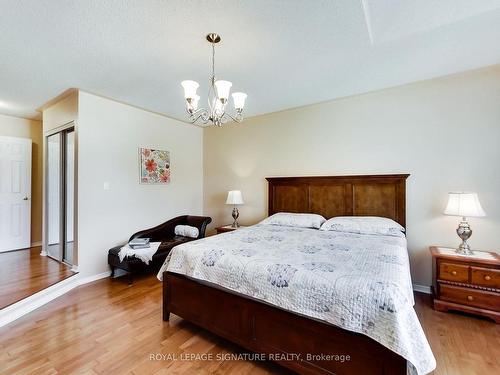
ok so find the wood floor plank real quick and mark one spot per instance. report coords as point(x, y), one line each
point(461, 343)
point(107, 327)
point(25, 272)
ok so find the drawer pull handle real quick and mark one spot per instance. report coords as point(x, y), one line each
point(487, 277)
point(454, 273)
point(470, 298)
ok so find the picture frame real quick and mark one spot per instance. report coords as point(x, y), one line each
point(154, 166)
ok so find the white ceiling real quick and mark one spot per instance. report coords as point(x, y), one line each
point(283, 53)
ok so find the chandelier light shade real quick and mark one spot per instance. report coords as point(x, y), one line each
point(223, 88)
point(239, 100)
point(216, 113)
point(190, 88)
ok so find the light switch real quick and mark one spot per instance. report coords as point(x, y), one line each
point(106, 186)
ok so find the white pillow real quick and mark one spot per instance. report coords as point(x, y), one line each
point(186, 231)
point(295, 220)
point(364, 225)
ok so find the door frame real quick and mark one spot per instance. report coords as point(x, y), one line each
point(62, 177)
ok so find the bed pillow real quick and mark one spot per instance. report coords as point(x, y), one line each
point(364, 225)
point(186, 231)
point(295, 220)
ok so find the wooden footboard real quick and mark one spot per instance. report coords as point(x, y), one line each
point(301, 344)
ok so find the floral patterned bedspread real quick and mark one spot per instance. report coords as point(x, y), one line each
point(358, 282)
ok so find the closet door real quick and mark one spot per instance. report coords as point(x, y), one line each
point(53, 196)
point(69, 194)
point(60, 196)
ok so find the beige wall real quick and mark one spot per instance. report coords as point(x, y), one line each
point(61, 112)
point(445, 132)
point(109, 137)
point(23, 128)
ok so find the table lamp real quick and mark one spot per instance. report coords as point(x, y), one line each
point(235, 198)
point(465, 205)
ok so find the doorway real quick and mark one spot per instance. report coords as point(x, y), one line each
point(60, 195)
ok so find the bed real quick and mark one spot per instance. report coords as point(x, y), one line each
point(316, 302)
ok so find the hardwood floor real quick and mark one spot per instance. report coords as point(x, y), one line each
point(109, 328)
point(25, 272)
point(461, 343)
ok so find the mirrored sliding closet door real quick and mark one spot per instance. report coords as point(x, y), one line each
point(60, 195)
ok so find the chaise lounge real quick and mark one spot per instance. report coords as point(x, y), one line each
point(164, 233)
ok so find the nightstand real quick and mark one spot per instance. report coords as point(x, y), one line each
point(466, 283)
point(227, 228)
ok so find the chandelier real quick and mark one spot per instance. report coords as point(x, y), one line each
point(218, 97)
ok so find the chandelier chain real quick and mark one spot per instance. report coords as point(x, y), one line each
point(213, 61)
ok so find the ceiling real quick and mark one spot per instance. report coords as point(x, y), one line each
point(283, 53)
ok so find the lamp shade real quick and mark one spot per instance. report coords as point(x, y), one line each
point(239, 99)
point(223, 88)
point(464, 204)
point(234, 197)
point(190, 88)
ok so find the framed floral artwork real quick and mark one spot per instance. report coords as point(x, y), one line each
point(155, 166)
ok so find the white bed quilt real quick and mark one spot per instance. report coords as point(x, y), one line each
point(357, 282)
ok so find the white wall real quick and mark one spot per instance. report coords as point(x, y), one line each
point(445, 132)
point(109, 135)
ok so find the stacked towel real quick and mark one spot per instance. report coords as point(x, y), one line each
point(145, 255)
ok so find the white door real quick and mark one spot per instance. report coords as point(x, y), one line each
point(15, 193)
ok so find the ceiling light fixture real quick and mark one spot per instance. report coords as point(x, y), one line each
point(218, 97)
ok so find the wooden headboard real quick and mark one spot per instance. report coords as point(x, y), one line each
point(370, 195)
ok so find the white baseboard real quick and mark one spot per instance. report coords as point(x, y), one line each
point(28, 304)
point(89, 279)
point(36, 244)
point(422, 288)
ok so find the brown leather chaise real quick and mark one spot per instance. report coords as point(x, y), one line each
point(163, 233)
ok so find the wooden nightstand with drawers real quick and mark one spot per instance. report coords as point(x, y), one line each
point(466, 283)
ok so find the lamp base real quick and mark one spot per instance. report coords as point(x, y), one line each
point(235, 215)
point(464, 250)
point(464, 232)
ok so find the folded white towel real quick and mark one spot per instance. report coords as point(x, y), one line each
point(186, 231)
point(145, 255)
